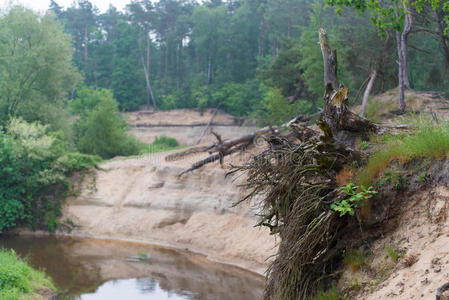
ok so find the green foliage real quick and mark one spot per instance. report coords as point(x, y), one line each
point(101, 130)
point(427, 141)
point(18, 280)
point(36, 67)
point(355, 199)
point(364, 145)
point(34, 165)
point(163, 143)
point(392, 252)
point(330, 294)
point(284, 71)
point(276, 109)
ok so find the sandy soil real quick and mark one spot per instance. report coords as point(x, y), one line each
point(185, 125)
point(185, 117)
point(422, 242)
point(142, 199)
point(421, 103)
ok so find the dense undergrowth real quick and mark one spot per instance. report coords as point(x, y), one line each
point(19, 281)
point(35, 165)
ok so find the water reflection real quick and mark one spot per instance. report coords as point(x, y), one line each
point(90, 267)
point(136, 289)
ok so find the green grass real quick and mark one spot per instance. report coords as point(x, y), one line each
point(18, 280)
point(330, 294)
point(162, 144)
point(355, 259)
point(392, 252)
point(427, 141)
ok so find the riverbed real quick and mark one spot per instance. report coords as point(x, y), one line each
point(104, 269)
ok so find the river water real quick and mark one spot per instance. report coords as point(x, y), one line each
point(90, 269)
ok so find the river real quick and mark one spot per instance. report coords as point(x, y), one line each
point(102, 269)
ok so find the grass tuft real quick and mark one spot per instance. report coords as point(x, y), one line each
point(428, 140)
point(331, 294)
point(355, 259)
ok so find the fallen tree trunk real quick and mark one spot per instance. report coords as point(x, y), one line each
point(230, 146)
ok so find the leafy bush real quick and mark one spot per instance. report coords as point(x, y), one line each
point(163, 143)
point(101, 130)
point(18, 279)
point(33, 170)
point(277, 109)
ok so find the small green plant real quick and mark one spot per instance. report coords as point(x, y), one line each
point(355, 259)
point(355, 200)
point(355, 285)
point(364, 145)
point(143, 256)
point(393, 253)
point(330, 294)
point(376, 281)
point(422, 177)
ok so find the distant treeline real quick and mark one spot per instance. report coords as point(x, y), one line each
point(243, 54)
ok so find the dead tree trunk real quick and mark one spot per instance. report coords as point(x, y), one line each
point(368, 89)
point(401, 44)
point(345, 126)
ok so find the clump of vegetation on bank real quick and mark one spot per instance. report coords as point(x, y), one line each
point(20, 281)
point(35, 164)
point(428, 140)
point(100, 130)
point(163, 143)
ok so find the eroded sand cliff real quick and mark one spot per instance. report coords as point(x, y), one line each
point(142, 199)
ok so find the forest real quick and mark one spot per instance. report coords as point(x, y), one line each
point(251, 58)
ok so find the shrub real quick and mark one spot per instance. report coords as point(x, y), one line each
point(33, 170)
point(101, 130)
point(163, 143)
point(18, 279)
point(277, 109)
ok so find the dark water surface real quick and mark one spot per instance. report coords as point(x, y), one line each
point(101, 269)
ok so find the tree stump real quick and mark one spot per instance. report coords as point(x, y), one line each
point(345, 126)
